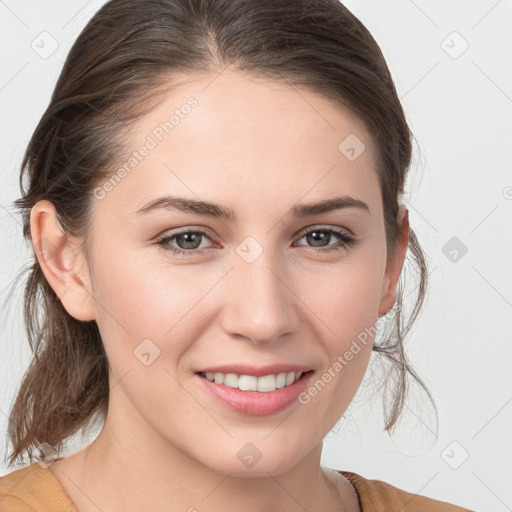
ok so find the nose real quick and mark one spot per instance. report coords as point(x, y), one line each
point(259, 305)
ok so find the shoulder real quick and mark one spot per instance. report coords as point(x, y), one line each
point(31, 489)
point(379, 496)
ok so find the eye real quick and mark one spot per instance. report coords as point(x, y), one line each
point(189, 240)
point(321, 235)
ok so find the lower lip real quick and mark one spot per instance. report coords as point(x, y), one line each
point(256, 403)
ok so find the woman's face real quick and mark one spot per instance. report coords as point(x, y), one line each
point(255, 290)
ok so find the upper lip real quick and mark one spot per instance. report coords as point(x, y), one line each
point(257, 371)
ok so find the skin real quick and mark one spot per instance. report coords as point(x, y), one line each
point(260, 148)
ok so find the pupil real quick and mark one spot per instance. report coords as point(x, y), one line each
point(318, 235)
point(186, 237)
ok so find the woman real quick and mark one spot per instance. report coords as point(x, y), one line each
point(214, 205)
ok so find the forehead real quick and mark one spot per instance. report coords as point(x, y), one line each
point(235, 136)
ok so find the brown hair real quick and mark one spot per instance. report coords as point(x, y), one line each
point(129, 53)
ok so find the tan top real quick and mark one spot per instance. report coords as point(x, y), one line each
point(36, 489)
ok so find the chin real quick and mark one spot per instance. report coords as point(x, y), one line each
point(257, 459)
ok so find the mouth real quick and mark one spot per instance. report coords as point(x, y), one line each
point(261, 384)
point(254, 395)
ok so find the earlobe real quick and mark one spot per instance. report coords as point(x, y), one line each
point(61, 261)
point(395, 263)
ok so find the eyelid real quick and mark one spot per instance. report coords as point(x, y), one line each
point(346, 240)
point(300, 234)
point(321, 227)
point(171, 232)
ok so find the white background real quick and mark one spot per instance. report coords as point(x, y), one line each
point(460, 185)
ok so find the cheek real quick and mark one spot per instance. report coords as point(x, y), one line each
point(345, 296)
point(345, 300)
point(141, 298)
point(138, 292)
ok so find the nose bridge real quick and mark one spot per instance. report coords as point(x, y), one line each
point(258, 299)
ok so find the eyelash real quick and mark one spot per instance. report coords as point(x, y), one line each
point(346, 241)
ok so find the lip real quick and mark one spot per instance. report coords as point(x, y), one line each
point(255, 403)
point(260, 371)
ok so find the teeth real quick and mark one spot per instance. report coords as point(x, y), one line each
point(268, 382)
point(281, 380)
point(252, 383)
point(248, 383)
point(290, 377)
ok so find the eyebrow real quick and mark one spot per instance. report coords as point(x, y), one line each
point(217, 211)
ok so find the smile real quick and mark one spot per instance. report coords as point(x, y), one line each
point(265, 383)
point(254, 395)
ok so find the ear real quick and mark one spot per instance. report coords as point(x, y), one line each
point(395, 263)
point(61, 261)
